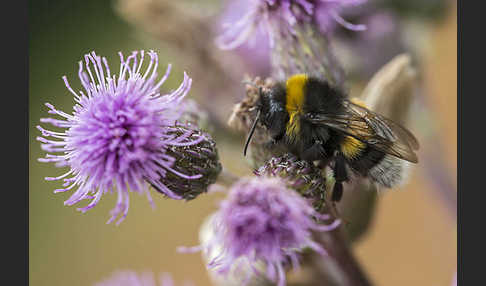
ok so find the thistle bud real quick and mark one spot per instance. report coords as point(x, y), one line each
point(299, 175)
point(196, 166)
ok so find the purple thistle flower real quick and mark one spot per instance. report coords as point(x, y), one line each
point(262, 220)
point(269, 15)
point(255, 53)
point(117, 136)
point(131, 278)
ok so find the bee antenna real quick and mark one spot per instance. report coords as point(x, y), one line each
point(252, 130)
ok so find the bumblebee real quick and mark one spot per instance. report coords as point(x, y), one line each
point(318, 122)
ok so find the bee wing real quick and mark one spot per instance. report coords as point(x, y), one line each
point(373, 129)
point(381, 123)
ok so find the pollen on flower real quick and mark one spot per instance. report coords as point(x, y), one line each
point(262, 220)
point(118, 133)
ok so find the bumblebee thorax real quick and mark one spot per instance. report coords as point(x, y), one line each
point(295, 92)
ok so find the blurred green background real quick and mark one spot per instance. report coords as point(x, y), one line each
point(412, 240)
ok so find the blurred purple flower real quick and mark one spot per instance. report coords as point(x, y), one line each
point(267, 15)
point(118, 133)
point(327, 14)
point(379, 23)
point(255, 53)
point(263, 220)
point(382, 41)
point(131, 278)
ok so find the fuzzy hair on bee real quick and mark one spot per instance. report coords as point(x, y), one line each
point(316, 121)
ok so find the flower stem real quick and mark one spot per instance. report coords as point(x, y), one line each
point(339, 251)
point(342, 265)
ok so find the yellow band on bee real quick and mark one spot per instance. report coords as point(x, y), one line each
point(294, 86)
point(352, 147)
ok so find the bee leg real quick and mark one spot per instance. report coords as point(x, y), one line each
point(340, 175)
point(337, 191)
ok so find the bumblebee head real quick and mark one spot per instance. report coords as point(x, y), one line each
point(271, 113)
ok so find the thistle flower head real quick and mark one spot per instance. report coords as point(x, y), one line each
point(268, 15)
point(119, 132)
point(131, 278)
point(263, 221)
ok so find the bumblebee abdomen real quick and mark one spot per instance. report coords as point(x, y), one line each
point(380, 167)
point(365, 160)
point(384, 169)
point(351, 147)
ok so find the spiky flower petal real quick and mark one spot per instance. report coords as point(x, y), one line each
point(118, 133)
